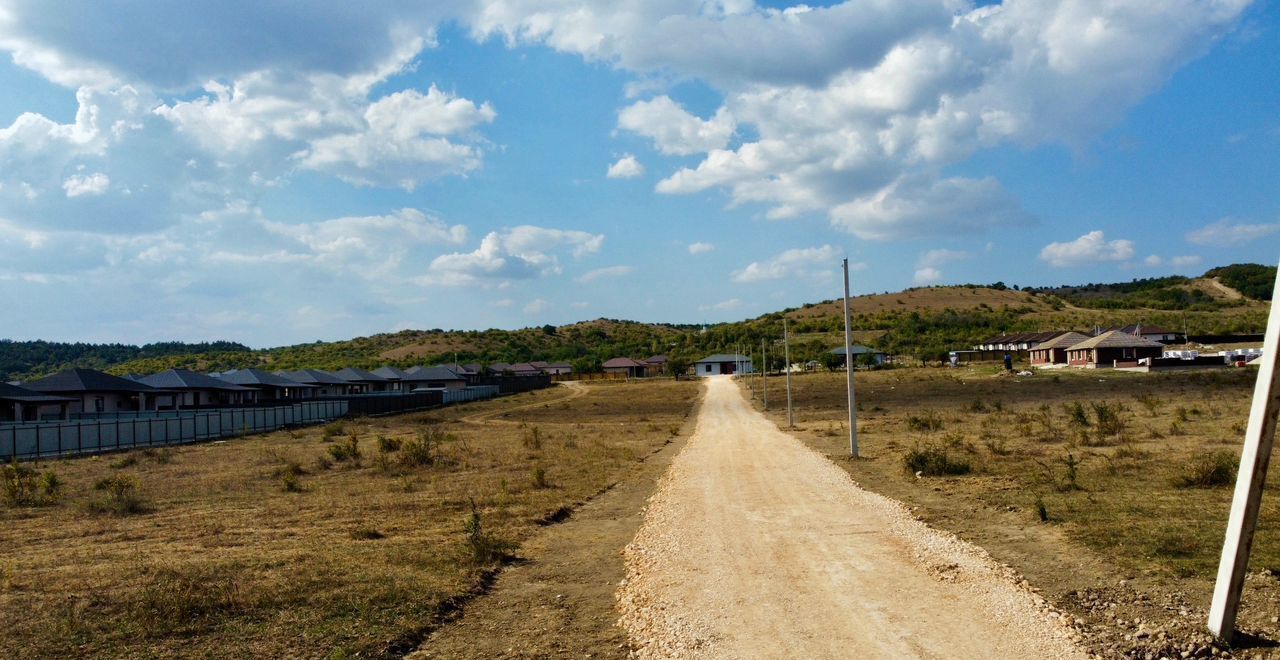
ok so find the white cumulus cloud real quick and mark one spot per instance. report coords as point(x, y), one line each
point(79, 185)
point(673, 129)
point(626, 167)
point(1093, 247)
point(927, 275)
point(606, 272)
point(523, 252)
point(700, 248)
point(799, 262)
point(1227, 232)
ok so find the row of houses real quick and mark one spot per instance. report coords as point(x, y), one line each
point(87, 391)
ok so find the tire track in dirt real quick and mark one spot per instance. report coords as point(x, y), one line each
point(576, 390)
point(755, 546)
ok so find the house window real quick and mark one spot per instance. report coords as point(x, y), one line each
point(99, 404)
point(707, 368)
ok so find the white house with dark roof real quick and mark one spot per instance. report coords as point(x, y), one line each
point(270, 386)
point(433, 378)
point(361, 381)
point(326, 383)
point(722, 364)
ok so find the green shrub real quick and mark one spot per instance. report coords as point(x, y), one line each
point(23, 486)
point(933, 460)
point(387, 445)
point(121, 495)
point(289, 483)
point(539, 477)
point(1209, 471)
point(924, 423)
point(128, 460)
point(485, 547)
point(346, 450)
point(532, 438)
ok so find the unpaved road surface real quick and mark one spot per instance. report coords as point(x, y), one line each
point(754, 546)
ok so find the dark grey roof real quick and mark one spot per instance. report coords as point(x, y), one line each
point(85, 380)
point(258, 377)
point(390, 373)
point(656, 359)
point(856, 350)
point(725, 357)
point(354, 375)
point(184, 379)
point(23, 395)
point(313, 376)
point(499, 367)
point(420, 374)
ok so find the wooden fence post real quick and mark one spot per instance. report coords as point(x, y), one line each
point(1258, 440)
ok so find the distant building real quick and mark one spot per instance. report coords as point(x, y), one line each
point(363, 382)
point(18, 404)
point(1113, 349)
point(1054, 351)
point(187, 389)
point(657, 364)
point(326, 383)
point(625, 366)
point(724, 363)
point(858, 352)
point(270, 387)
point(1021, 341)
point(433, 378)
point(1152, 332)
point(95, 391)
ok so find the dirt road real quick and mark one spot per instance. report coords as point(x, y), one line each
point(754, 546)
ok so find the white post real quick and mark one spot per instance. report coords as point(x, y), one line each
point(1258, 440)
point(848, 366)
point(764, 373)
point(786, 348)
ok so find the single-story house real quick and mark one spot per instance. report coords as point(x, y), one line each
point(361, 381)
point(19, 404)
point(1019, 341)
point(270, 386)
point(185, 388)
point(858, 351)
point(1113, 349)
point(1152, 332)
point(657, 364)
point(559, 368)
point(625, 366)
point(394, 377)
point(526, 369)
point(95, 391)
point(499, 369)
point(433, 378)
point(723, 363)
point(326, 383)
point(472, 376)
point(1054, 351)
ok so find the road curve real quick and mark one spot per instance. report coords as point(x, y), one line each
point(755, 546)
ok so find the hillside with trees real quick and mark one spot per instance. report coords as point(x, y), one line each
point(922, 322)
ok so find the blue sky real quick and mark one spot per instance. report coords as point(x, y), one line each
point(276, 176)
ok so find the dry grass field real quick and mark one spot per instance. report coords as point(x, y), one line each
point(287, 544)
point(1078, 479)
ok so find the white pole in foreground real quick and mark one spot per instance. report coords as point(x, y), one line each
point(764, 373)
point(848, 366)
point(786, 348)
point(1258, 440)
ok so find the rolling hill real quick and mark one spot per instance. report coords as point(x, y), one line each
point(924, 322)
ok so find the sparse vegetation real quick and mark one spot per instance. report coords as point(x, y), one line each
point(933, 460)
point(23, 486)
point(1210, 470)
point(121, 495)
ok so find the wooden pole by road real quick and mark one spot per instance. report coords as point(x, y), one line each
point(848, 366)
point(1258, 440)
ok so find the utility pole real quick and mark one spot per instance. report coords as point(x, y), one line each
point(848, 366)
point(1259, 437)
point(764, 373)
point(786, 347)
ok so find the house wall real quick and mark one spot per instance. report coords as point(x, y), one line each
point(721, 368)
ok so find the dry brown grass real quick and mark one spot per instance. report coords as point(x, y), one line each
point(1119, 488)
point(226, 560)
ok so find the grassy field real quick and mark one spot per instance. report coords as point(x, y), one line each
point(1080, 479)
point(289, 545)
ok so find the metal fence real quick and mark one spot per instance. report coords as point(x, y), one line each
point(89, 433)
point(28, 440)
